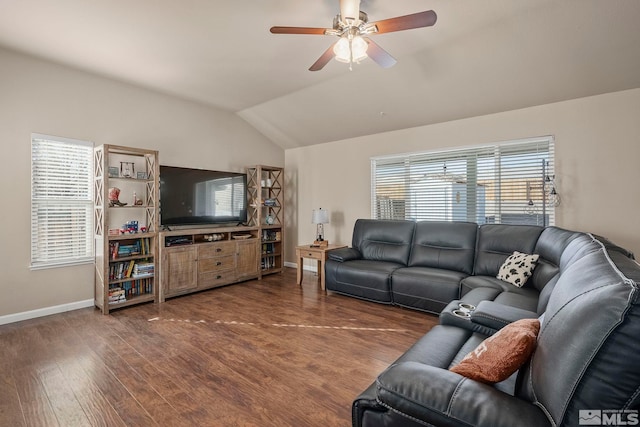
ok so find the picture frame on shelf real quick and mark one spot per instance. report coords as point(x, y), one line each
point(141, 175)
point(114, 172)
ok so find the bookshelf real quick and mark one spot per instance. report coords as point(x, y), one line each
point(265, 186)
point(126, 230)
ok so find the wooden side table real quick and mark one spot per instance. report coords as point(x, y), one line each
point(318, 253)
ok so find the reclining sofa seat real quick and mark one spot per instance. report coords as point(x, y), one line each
point(442, 254)
point(495, 243)
point(378, 248)
point(586, 357)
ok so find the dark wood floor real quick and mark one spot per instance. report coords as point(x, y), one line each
point(260, 353)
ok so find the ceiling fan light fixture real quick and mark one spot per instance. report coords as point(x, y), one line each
point(342, 50)
point(358, 49)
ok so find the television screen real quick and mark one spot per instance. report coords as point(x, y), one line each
point(198, 196)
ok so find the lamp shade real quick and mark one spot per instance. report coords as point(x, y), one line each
point(342, 50)
point(320, 216)
point(358, 49)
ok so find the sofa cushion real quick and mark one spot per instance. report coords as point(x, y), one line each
point(383, 240)
point(446, 245)
point(502, 354)
point(497, 241)
point(517, 268)
point(365, 279)
point(428, 289)
point(525, 298)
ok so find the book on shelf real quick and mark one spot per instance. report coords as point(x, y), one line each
point(268, 262)
point(132, 288)
point(268, 248)
point(131, 269)
point(120, 249)
point(143, 269)
point(116, 295)
point(270, 235)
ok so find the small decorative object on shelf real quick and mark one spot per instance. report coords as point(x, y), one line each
point(127, 169)
point(136, 201)
point(114, 197)
point(114, 172)
point(130, 227)
point(213, 237)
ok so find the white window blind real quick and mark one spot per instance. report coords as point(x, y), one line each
point(61, 201)
point(508, 183)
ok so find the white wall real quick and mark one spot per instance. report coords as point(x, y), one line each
point(38, 96)
point(597, 166)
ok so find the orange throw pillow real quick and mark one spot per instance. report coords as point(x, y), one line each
point(502, 354)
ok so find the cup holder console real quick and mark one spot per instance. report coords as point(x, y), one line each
point(464, 310)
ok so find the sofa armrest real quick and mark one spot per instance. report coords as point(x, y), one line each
point(496, 316)
point(440, 397)
point(344, 254)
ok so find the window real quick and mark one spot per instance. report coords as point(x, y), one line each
point(507, 183)
point(61, 201)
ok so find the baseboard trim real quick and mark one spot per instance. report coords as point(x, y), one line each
point(47, 311)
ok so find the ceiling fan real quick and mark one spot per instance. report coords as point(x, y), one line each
point(352, 26)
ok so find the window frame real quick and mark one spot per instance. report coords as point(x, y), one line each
point(470, 168)
point(48, 203)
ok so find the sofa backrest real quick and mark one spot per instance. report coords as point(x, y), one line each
point(383, 240)
point(447, 245)
point(551, 247)
point(497, 241)
point(588, 354)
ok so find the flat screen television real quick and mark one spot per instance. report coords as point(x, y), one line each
point(202, 197)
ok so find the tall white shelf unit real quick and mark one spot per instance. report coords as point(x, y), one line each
point(114, 288)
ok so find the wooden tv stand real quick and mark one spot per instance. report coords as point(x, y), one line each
point(203, 258)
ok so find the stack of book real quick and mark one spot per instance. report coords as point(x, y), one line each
point(116, 295)
point(143, 269)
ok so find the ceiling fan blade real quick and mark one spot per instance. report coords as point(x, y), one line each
point(298, 30)
point(379, 55)
point(324, 59)
point(407, 22)
point(350, 9)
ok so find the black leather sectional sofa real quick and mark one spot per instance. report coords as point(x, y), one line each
point(584, 290)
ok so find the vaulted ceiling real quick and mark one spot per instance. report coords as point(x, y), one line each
point(480, 57)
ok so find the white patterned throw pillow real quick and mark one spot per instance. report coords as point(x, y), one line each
point(517, 268)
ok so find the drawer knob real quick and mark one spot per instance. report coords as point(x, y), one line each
point(218, 249)
point(218, 263)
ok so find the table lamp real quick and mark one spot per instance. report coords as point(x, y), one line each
point(320, 217)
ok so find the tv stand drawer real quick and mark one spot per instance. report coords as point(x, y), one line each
point(208, 265)
point(212, 250)
point(216, 278)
